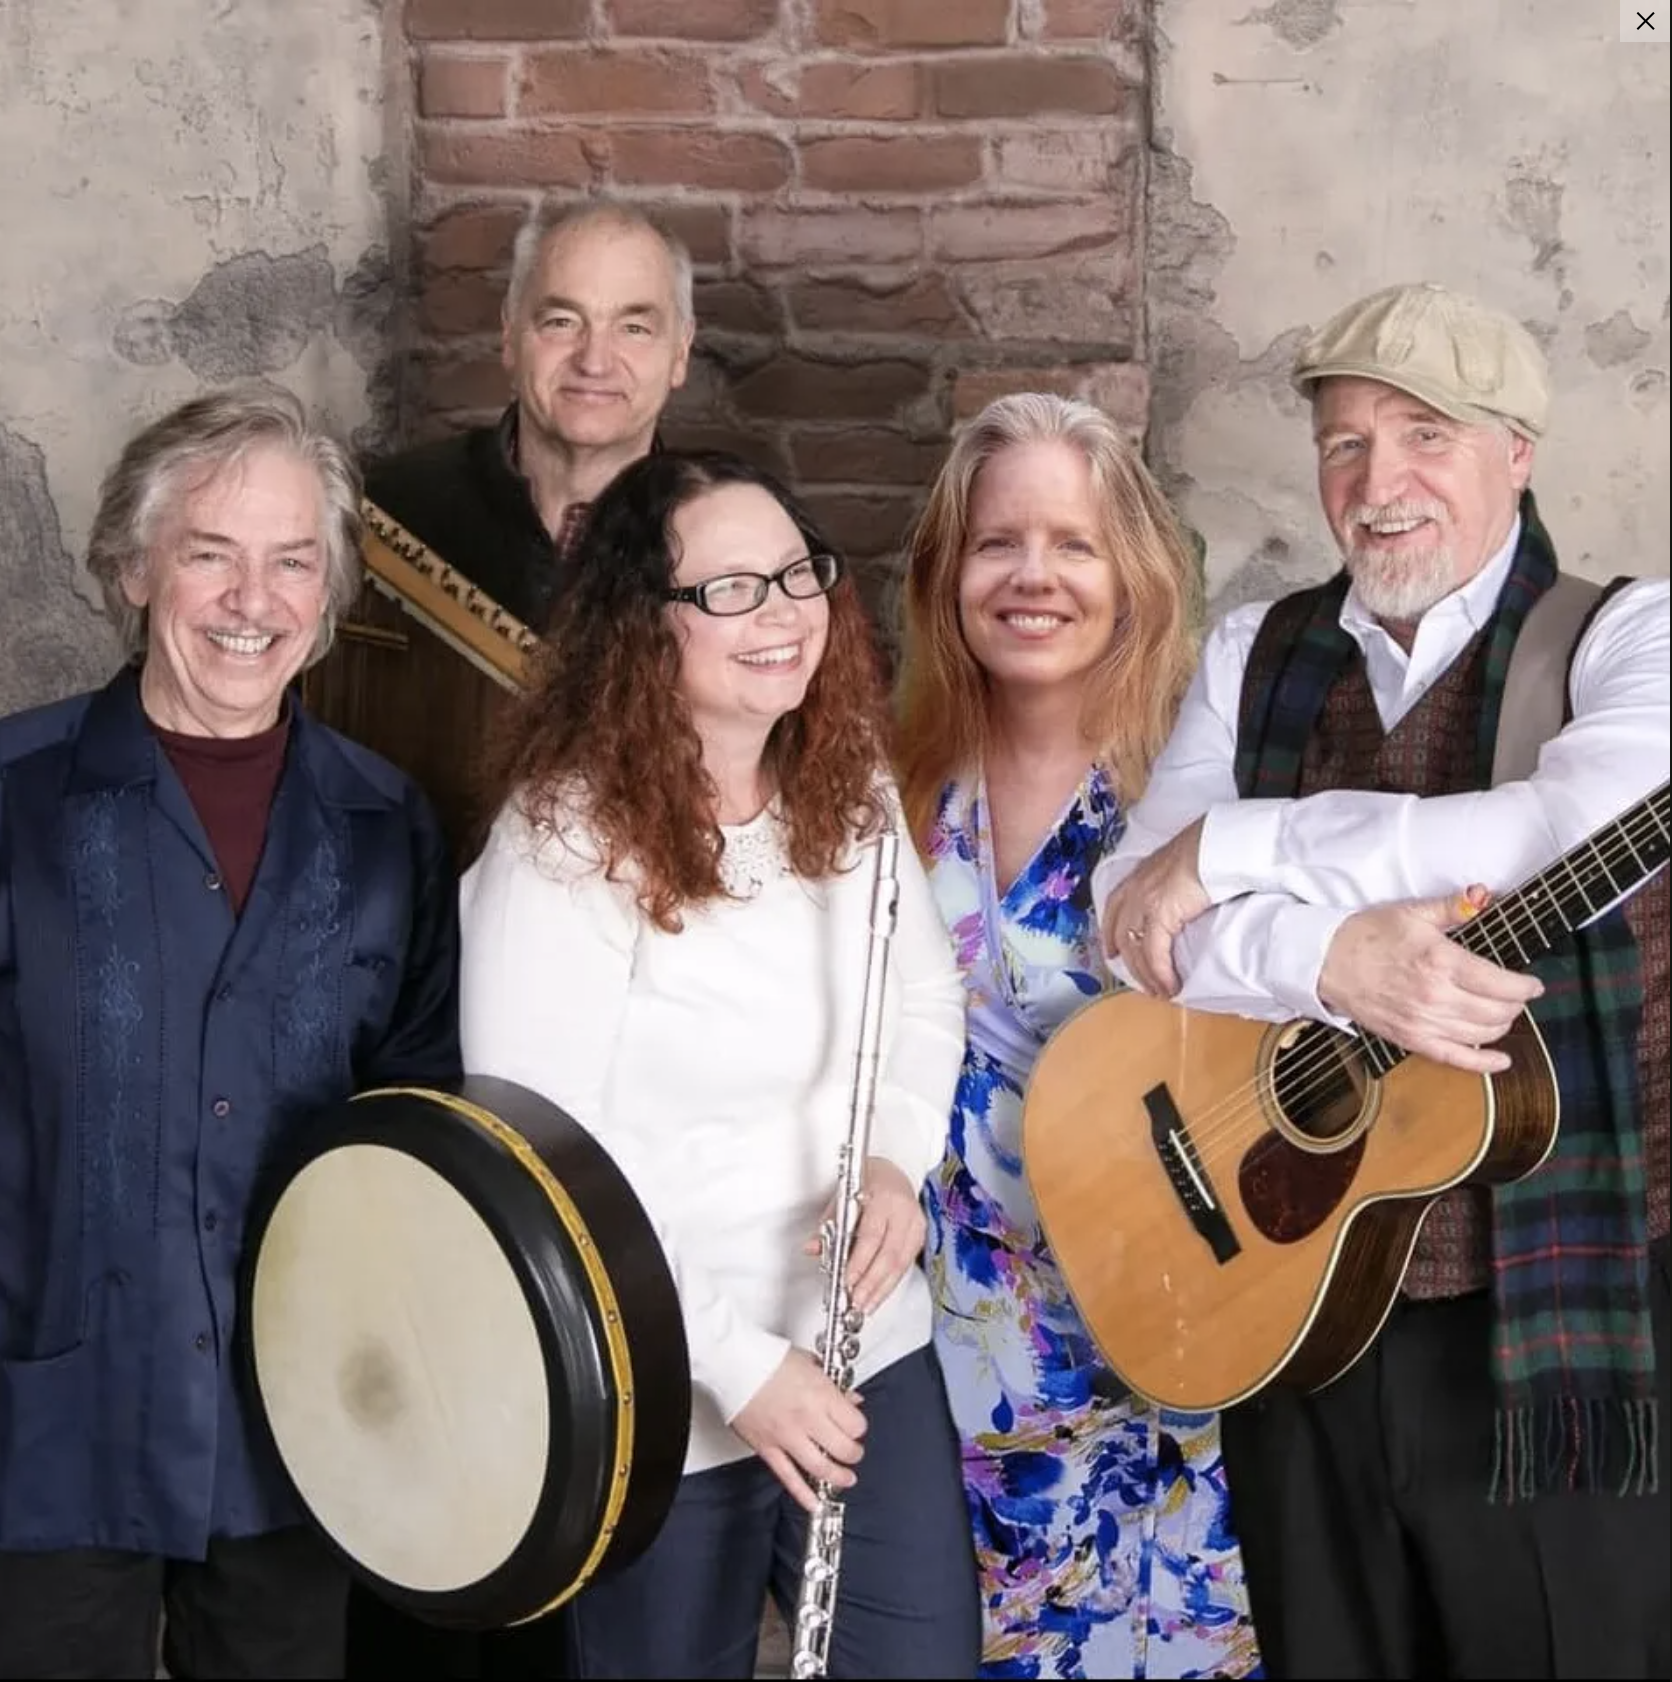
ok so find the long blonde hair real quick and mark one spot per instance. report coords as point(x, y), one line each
point(1132, 695)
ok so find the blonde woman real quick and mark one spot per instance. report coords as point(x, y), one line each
point(1048, 641)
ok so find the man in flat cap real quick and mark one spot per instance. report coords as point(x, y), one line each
point(1480, 1494)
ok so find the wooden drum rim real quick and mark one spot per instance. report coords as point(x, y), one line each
point(592, 1273)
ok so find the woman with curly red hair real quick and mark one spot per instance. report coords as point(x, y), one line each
point(666, 935)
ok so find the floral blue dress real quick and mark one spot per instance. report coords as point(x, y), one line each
point(1102, 1529)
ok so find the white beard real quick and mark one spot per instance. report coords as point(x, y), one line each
point(1401, 587)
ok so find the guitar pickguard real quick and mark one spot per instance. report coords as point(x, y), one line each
point(1289, 1193)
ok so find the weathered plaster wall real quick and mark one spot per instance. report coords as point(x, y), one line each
point(190, 193)
point(1309, 151)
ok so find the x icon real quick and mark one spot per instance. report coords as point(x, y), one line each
point(1645, 20)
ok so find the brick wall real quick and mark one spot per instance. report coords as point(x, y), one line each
point(897, 208)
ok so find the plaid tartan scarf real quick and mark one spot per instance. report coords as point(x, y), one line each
point(1573, 1348)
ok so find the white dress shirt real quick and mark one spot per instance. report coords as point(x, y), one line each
point(1285, 874)
point(716, 1067)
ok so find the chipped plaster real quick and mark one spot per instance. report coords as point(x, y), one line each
point(191, 194)
point(1310, 151)
point(44, 635)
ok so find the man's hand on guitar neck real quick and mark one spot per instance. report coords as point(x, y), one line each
point(1393, 972)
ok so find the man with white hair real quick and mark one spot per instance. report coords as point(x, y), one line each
point(1480, 1494)
point(595, 335)
point(216, 916)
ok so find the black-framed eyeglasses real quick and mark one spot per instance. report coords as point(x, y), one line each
point(743, 592)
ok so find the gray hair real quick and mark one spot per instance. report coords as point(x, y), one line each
point(191, 445)
point(553, 216)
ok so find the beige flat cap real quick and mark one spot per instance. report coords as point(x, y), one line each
point(1458, 355)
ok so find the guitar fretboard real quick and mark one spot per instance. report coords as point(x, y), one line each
point(1521, 927)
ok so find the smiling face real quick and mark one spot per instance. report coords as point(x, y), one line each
point(234, 583)
point(596, 340)
point(1418, 502)
point(1036, 587)
point(741, 674)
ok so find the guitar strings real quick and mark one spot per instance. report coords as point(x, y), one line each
point(1312, 1072)
point(1338, 1049)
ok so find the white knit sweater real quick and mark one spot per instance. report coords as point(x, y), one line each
point(716, 1066)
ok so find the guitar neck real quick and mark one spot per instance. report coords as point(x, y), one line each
point(1609, 864)
point(1521, 927)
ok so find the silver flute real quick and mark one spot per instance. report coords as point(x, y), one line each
point(838, 1342)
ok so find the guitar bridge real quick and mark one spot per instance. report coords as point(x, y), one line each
point(1187, 1174)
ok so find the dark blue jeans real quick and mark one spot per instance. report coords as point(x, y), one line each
point(907, 1605)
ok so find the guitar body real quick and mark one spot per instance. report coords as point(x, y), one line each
point(1234, 1203)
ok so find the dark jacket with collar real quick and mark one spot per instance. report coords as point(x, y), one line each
point(152, 1052)
point(466, 501)
point(463, 499)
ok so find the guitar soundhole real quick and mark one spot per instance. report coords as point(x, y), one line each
point(1320, 1101)
point(1319, 1087)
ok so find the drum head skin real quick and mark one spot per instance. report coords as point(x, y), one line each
point(467, 1349)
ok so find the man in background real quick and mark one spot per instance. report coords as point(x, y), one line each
point(595, 335)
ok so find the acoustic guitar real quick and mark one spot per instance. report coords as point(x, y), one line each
point(1235, 1202)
